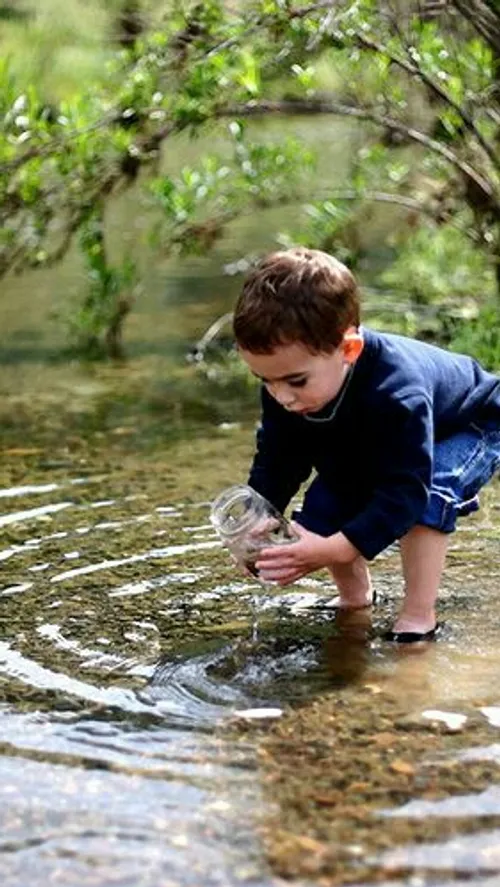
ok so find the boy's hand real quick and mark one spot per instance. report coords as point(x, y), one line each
point(262, 531)
point(285, 564)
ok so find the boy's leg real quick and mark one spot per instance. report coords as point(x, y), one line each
point(354, 583)
point(322, 513)
point(423, 553)
point(463, 463)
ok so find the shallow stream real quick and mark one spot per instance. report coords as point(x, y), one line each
point(166, 721)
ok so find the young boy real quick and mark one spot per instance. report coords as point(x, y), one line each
point(401, 434)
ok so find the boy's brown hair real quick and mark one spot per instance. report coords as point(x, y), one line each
point(296, 295)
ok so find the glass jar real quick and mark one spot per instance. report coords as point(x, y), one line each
point(246, 522)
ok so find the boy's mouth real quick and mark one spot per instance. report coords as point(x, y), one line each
point(303, 411)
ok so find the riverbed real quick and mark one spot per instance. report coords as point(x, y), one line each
point(167, 721)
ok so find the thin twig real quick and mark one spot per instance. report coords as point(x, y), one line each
point(424, 209)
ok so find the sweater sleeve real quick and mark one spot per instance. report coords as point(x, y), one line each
point(403, 490)
point(281, 462)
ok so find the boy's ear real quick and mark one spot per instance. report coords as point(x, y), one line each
point(352, 345)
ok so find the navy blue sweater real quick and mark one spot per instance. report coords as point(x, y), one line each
point(376, 453)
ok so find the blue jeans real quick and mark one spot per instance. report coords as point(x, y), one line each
point(462, 465)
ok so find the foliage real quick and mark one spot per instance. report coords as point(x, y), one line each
point(197, 204)
point(95, 328)
point(479, 336)
point(425, 79)
point(439, 265)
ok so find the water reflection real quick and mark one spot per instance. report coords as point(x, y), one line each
point(126, 667)
point(105, 783)
point(347, 649)
point(69, 825)
point(485, 803)
point(468, 853)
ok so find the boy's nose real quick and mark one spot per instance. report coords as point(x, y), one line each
point(284, 397)
point(287, 402)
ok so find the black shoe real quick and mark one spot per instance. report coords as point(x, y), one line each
point(413, 637)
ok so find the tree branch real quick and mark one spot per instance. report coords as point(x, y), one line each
point(115, 116)
point(436, 214)
point(483, 19)
point(415, 70)
point(50, 146)
point(326, 106)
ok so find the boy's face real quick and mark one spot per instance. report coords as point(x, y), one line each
point(301, 381)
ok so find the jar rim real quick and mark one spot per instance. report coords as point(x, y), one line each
point(226, 500)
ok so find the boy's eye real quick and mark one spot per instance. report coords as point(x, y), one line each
point(298, 383)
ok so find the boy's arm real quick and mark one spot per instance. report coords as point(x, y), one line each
point(405, 472)
point(405, 478)
point(282, 461)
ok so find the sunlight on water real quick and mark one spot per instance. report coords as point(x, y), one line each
point(52, 632)
point(492, 713)
point(175, 578)
point(29, 672)
point(469, 853)
point(35, 489)
point(154, 554)
point(31, 513)
point(193, 821)
point(485, 803)
point(132, 660)
point(136, 830)
point(452, 719)
point(16, 589)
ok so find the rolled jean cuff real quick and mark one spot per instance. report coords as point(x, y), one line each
point(442, 511)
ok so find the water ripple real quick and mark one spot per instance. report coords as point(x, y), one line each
point(153, 554)
point(465, 853)
point(67, 825)
point(30, 513)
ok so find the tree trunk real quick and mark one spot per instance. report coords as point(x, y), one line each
point(114, 333)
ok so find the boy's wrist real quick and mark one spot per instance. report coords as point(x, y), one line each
point(342, 551)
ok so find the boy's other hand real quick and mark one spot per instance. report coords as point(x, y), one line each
point(285, 564)
point(261, 532)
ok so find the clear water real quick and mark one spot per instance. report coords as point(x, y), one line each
point(113, 769)
point(160, 712)
point(121, 685)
